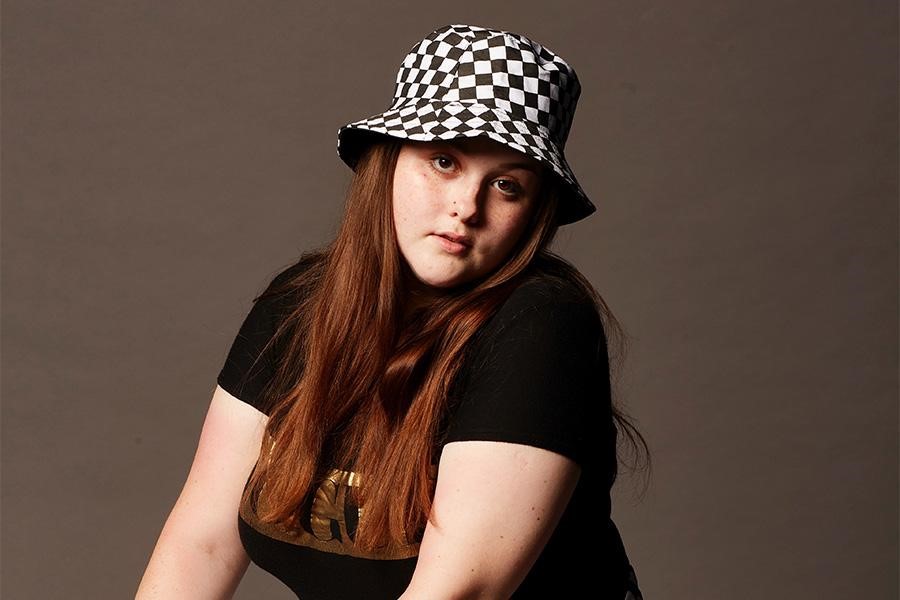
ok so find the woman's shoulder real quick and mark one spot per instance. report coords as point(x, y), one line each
point(251, 360)
point(289, 284)
point(291, 276)
point(547, 307)
point(284, 289)
point(548, 292)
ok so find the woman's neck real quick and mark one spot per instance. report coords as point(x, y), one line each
point(416, 299)
point(418, 294)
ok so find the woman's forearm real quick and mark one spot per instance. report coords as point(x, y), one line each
point(184, 568)
point(199, 554)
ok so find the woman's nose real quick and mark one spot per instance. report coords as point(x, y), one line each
point(465, 200)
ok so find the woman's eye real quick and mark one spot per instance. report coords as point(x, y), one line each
point(510, 187)
point(443, 162)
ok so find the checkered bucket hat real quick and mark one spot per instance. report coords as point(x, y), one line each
point(467, 81)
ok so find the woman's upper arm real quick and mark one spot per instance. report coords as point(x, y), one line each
point(495, 506)
point(522, 425)
point(207, 508)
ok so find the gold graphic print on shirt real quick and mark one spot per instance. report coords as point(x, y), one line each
point(329, 514)
point(330, 521)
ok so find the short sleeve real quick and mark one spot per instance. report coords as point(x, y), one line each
point(251, 360)
point(538, 376)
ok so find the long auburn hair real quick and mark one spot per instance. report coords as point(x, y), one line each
point(362, 382)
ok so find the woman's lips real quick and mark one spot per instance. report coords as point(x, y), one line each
point(451, 246)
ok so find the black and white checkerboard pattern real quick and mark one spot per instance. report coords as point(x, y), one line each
point(465, 81)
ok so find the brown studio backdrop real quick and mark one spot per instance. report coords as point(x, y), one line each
point(161, 160)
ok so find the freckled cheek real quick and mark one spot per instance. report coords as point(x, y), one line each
point(403, 200)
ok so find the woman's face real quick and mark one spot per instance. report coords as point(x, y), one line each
point(474, 191)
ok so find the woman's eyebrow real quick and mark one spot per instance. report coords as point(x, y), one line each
point(518, 165)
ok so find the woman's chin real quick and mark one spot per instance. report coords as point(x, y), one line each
point(444, 281)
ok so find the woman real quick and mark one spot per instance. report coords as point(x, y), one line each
point(422, 409)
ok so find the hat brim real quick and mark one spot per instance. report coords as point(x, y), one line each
point(446, 120)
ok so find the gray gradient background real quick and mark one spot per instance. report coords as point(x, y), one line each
point(162, 160)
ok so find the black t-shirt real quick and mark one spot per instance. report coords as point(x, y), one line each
point(537, 374)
